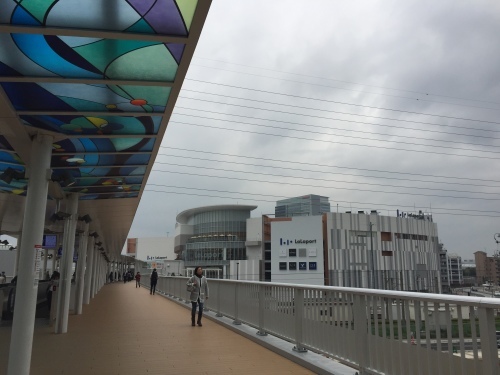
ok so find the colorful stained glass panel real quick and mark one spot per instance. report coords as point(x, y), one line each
point(86, 98)
point(168, 17)
point(77, 57)
point(103, 125)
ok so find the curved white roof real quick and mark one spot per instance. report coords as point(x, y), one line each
point(184, 216)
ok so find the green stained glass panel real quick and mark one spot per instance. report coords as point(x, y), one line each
point(187, 8)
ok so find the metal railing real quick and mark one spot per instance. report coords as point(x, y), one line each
point(375, 331)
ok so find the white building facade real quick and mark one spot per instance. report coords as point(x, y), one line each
point(297, 251)
point(382, 252)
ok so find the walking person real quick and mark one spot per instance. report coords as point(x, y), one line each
point(199, 292)
point(138, 280)
point(154, 280)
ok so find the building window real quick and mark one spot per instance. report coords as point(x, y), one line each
point(386, 236)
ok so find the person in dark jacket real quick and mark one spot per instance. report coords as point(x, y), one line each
point(154, 280)
point(138, 280)
point(199, 292)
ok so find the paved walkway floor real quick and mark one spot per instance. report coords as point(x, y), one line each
point(127, 331)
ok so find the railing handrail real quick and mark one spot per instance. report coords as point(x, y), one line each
point(488, 302)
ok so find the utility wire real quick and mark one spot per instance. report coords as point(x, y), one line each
point(316, 186)
point(350, 82)
point(322, 179)
point(355, 137)
point(261, 200)
point(337, 102)
point(352, 90)
point(321, 110)
point(323, 171)
point(325, 165)
point(331, 128)
point(342, 143)
point(338, 119)
point(347, 202)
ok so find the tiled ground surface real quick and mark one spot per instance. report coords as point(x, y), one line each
point(125, 330)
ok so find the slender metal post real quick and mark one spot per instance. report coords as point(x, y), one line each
point(64, 291)
point(23, 324)
point(80, 272)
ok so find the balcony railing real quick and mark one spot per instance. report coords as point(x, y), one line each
point(375, 331)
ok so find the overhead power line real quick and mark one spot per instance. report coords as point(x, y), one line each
point(280, 197)
point(262, 200)
point(330, 127)
point(318, 171)
point(319, 186)
point(355, 83)
point(326, 165)
point(343, 143)
point(351, 90)
point(323, 110)
point(323, 179)
point(336, 102)
point(356, 137)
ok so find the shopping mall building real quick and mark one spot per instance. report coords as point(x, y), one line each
point(363, 249)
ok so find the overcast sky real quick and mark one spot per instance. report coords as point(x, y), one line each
point(378, 105)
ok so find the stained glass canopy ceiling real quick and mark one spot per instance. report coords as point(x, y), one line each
point(101, 77)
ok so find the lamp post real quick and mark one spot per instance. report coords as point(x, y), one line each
point(237, 270)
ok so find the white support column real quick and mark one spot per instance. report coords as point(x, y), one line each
point(80, 272)
point(94, 272)
point(18, 251)
point(88, 271)
point(98, 273)
point(21, 342)
point(64, 292)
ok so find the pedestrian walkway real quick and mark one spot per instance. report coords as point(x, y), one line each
point(125, 330)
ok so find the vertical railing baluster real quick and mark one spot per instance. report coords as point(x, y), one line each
point(299, 314)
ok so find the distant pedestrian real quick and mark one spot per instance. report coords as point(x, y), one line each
point(111, 277)
point(154, 280)
point(138, 280)
point(199, 292)
point(3, 278)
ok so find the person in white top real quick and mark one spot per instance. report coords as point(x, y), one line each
point(198, 287)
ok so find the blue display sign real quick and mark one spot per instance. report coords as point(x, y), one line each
point(312, 266)
point(49, 241)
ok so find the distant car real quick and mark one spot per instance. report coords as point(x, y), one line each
point(497, 294)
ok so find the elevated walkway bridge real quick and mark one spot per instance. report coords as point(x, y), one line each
point(268, 328)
